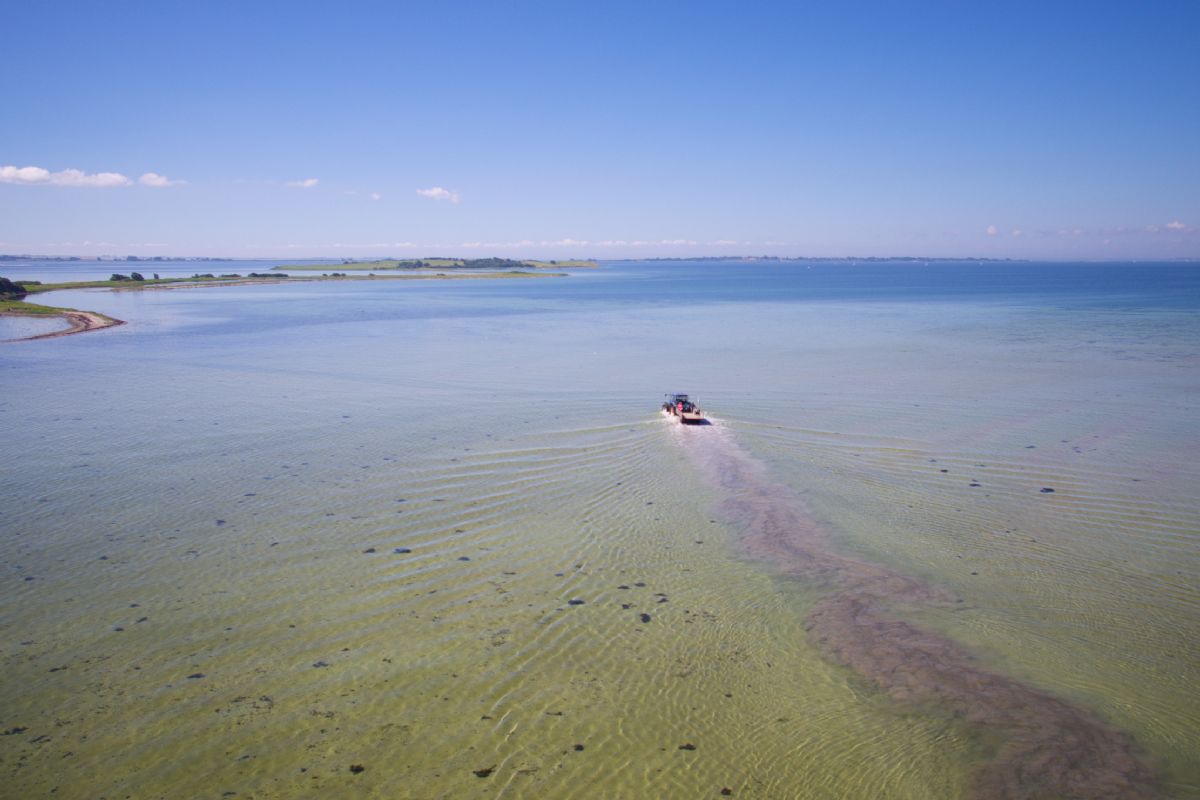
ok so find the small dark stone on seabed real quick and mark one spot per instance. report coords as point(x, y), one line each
point(645, 618)
point(574, 602)
point(402, 550)
point(369, 550)
point(486, 771)
point(195, 676)
point(688, 746)
point(357, 768)
point(463, 558)
point(1047, 490)
point(726, 791)
point(578, 748)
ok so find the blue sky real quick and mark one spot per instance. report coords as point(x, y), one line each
point(609, 130)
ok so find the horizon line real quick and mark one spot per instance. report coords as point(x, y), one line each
point(130, 258)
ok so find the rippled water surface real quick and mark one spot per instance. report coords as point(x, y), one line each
point(263, 536)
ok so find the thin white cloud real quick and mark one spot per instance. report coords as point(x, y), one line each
point(157, 181)
point(37, 176)
point(438, 193)
point(724, 241)
point(991, 230)
point(306, 183)
point(1176, 225)
point(376, 196)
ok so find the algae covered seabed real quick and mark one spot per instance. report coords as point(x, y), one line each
point(434, 541)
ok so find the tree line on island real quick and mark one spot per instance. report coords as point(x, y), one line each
point(451, 263)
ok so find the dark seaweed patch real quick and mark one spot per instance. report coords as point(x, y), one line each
point(1045, 746)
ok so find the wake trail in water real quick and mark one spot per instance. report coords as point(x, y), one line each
point(1047, 746)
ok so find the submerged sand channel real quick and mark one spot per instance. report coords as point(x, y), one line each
point(1044, 746)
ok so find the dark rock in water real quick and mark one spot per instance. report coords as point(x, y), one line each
point(486, 771)
point(574, 602)
point(626, 606)
point(622, 586)
point(975, 484)
point(578, 748)
point(319, 664)
point(1047, 490)
point(645, 618)
point(688, 746)
point(14, 731)
point(195, 676)
point(639, 584)
point(369, 550)
point(725, 790)
point(463, 558)
point(402, 550)
point(357, 768)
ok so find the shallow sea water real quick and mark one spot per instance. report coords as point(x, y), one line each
point(261, 535)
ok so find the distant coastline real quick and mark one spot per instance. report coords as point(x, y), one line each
point(391, 264)
point(14, 304)
point(845, 259)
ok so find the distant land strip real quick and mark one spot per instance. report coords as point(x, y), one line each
point(389, 264)
point(13, 293)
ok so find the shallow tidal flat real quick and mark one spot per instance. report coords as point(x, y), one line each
point(559, 613)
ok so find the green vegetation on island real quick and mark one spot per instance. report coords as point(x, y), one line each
point(493, 264)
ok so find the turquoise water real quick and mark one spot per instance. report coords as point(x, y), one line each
point(195, 493)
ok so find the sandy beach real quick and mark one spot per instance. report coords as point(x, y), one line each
point(79, 322)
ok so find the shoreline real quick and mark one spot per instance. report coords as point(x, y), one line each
point(77, 321)
point(86, 321)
